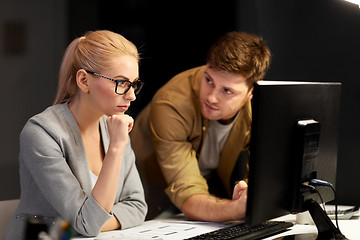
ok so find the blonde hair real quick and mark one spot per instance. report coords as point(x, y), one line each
point(93, 52)
point(240, 53)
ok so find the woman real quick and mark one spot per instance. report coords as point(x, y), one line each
point(76, 162)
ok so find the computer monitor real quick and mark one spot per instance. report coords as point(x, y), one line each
point(294, 138)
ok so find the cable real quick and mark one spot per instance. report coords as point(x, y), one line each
point(317, 191)
point(318, 182)
point(336, 208)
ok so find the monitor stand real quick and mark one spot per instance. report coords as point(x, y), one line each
point(326, 228)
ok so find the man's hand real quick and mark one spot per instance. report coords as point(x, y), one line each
point(239, 190)
point(240, 195)
point(210, 208)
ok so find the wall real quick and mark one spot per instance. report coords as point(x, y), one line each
point(32, 39)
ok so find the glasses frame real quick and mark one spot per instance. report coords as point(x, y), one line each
point(137, 85)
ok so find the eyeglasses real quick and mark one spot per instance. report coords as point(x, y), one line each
point(122, 86)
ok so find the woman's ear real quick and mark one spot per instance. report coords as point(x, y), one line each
point(82, 80)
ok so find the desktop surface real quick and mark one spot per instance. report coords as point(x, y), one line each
point(178, 227)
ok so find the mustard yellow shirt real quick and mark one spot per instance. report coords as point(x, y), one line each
point(169, 133)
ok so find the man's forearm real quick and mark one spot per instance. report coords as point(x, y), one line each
point(210, 208)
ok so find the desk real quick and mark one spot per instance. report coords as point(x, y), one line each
point(178, 227)
point(350, 228)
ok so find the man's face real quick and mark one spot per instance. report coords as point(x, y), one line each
point(222, 95)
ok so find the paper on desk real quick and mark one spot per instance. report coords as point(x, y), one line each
point(162, 229)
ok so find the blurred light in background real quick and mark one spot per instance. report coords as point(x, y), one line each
point(354, 1)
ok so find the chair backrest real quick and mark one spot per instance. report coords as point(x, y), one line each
point(7, 210)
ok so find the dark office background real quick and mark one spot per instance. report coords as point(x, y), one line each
point(312, 40)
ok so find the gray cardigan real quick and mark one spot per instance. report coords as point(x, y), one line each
point(55, 178)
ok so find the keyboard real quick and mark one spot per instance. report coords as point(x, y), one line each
point(244, 232)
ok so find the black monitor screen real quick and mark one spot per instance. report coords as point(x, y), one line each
point(276, 164)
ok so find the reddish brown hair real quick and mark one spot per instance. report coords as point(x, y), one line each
point(240, 53)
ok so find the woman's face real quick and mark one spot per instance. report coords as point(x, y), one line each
point(102, 91)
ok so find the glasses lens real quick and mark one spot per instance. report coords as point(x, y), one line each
point(124, 86)
point(137, 86)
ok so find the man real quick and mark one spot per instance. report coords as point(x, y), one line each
point(192, 139)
